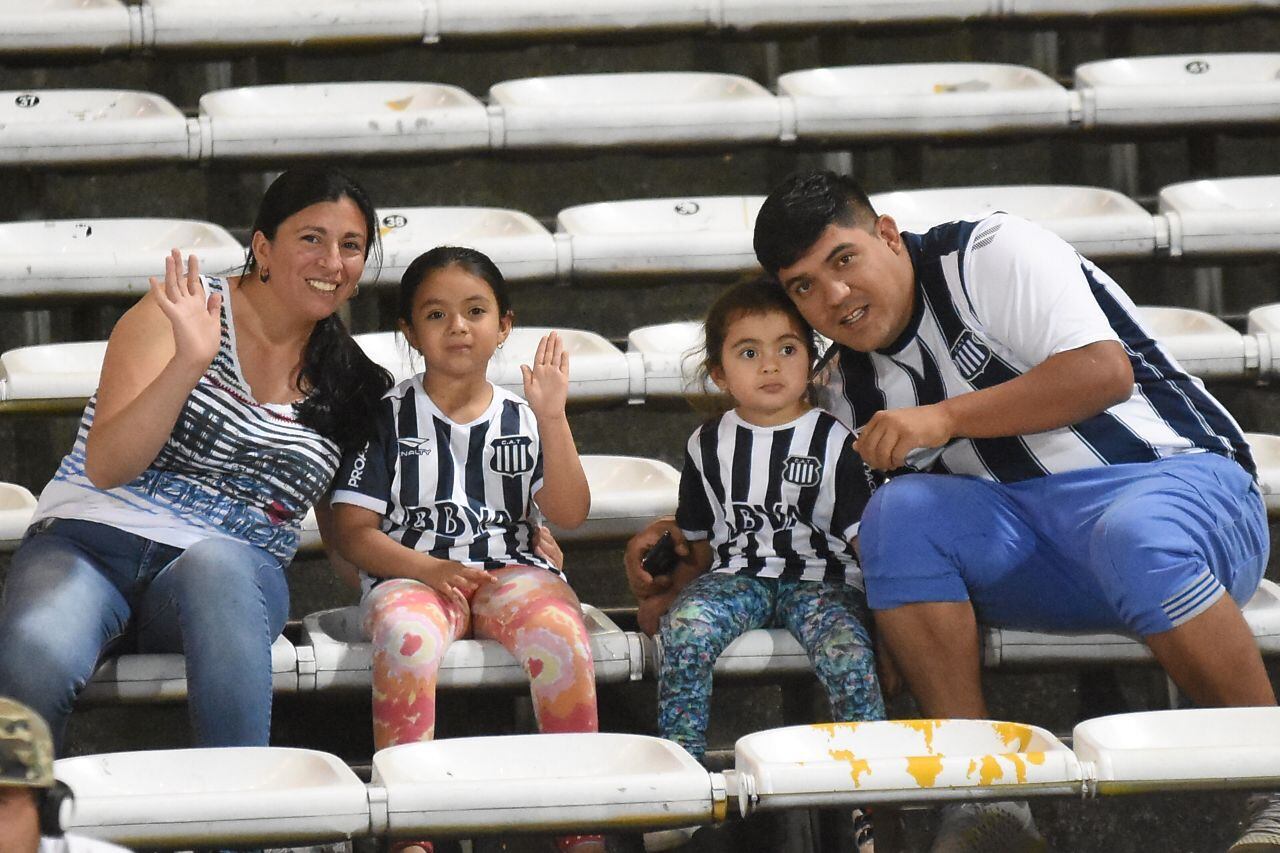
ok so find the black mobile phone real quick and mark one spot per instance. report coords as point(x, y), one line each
point(661, 558)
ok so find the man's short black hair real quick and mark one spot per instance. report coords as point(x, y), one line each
point(797, 212)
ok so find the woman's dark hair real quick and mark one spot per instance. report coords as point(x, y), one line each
point(796, 213)
point(758, 295)
point(472, 261)
point(343, 384)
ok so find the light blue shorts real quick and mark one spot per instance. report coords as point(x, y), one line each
point(1139, 548)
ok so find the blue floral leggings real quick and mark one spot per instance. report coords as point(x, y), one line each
point(714, 610)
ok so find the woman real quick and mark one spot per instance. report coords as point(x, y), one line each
point(222, 410)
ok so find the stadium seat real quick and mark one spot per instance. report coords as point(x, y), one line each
point(221, 797)
point(598, 371)
point(1266, 455)
point(104, 257)
point(670, 356)
point(163, 677)
point(1203, 344)
point(1188, 749)
point(50, 378)
point(1100, 223)
point(1224, 216)
point(544, 783)
point(203, 24)
point(541, 18)
point(900, 761)
point(749, 14)
point(647, 108)
point(86, 26)
point(924, 100)
point(46, 126)
point(627, 492)
point(1264, 326)
point(1211, 88)
point(16, 507)
point(513, 240)
point(343, 656)
point(661, 236)
point(341, 119)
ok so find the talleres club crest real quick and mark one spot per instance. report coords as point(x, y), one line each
point(511, 455)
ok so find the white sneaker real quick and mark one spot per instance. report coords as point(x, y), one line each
point(668, 839)
point(1006, 826)
point(1262, 834)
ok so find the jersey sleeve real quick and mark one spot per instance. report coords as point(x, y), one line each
point(694, 516)
point(1029, 290)
point(854, 484)
point(364, 476)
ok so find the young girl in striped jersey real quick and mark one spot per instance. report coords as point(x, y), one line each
point(439, 511)
point(770, 498)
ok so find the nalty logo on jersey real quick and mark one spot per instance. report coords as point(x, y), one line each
point(802, 470)
point(414, 447)
point(969, 354)
point(511, 455)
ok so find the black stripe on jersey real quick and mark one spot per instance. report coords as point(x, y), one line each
point(407, 425)
point(779, 450)
point(808, 498)
point(708, 443)
point(513, 496)
point(444, 479)
point(1187, 409)
point(473, 475)
point(740, 490)
point(929, 388)
point(864, 398)
point(1008, 459)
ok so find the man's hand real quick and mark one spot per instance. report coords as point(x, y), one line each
point(893, 433)
point(649, 614)
point(644, 585)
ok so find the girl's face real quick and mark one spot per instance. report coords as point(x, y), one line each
point(764, 366)
point(455, 323)
point(317, 256)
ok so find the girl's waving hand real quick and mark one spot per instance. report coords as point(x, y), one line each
point(546, 382)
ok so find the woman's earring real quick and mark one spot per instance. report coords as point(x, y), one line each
point(265, 276)
point(356, 292)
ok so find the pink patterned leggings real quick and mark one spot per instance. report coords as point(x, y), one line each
point(534, 615)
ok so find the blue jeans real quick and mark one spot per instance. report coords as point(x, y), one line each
point(77, 589)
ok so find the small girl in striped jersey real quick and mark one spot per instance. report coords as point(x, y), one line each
point(770, 498)
point(439, 511)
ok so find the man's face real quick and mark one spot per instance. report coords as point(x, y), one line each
point(19, 820)
point(855, 285)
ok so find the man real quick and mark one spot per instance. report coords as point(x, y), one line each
point(30, 799)
point(1078, 478)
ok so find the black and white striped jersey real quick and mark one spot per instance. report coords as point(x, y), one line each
point(778, 501)
point(994, 299)
point(460, 492)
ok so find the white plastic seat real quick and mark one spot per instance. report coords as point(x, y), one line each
point(598, 371)
point(555, 17)
point(163, 677)
point(343, 656)
point(1194, 748)
point(45, 126)
point(1214, 88)
point(627, 492)
point(661, 236)
point(1264, 326)
point(230, 796)
point(16, 507)
point(900, 761)
point(341, 119)
point(104, 257)
point(88, 26)
point(644, 108)
point(544, 783)
point(240, 23)
point(1203, 344)
point(513, 240)
point(924, 99)
point(1006, 647)
point(1225, 216)
point(747, 14)
point(670, 357)
point(50, 377)
point(1266, 456)
point(1098, 222)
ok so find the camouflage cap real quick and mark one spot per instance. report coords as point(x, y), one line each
point(26, 747)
